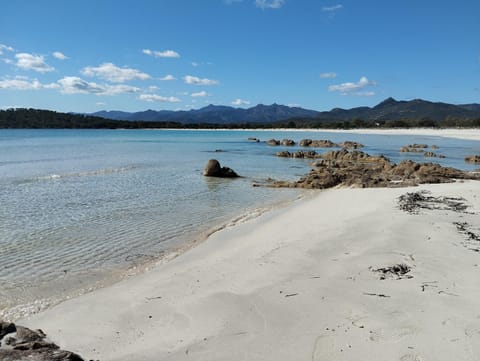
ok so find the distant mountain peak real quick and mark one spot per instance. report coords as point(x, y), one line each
point(387, 102)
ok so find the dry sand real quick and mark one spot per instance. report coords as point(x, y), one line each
point(296, 284)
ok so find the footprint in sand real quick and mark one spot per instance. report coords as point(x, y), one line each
point(411, 357)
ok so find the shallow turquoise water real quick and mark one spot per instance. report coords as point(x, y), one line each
point(77, 206)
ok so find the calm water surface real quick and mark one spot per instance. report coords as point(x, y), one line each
point(79, 207)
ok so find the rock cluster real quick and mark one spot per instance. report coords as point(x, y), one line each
point(475, 159)
point(21, 343)
point(433, 155)
point(351, 145)
point(359, 169)
point(322, 143)
point(310, 154)
point(213, 169)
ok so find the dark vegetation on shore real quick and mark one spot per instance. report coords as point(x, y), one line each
point(46, 119)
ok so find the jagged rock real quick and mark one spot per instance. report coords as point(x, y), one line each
point(475, 159)
point(273, 142)
point(351, 145)
point(300, 154)
point(408, 149)
point(359, 169)
point(288, 142)
point(21, 343)
point(415, 145)
point(433, 155)
point(213, 169)
point(323, 143)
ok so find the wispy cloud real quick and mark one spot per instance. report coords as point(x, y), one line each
point(115, 74)
point(332, 8)
point(161, 54)
point(4, 47)
point(239, 102)
point(76, 85)
point(329, 75)
point(230, 2)
point(60, 56)
point(168, 77)
point(269, 4)
point(21, 83)
point(158, 98)
point(203, 93)
point(351, 88)
point(189, 79)
point(36, 63)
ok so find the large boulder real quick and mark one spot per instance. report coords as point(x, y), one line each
point(213, 169)
point(273, 142)
point(288, 142)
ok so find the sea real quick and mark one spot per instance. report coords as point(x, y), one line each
point(82, 209)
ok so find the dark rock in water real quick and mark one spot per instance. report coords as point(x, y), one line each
point(323, 143)
point(213, 169)
point(434, 146)
point(433, 155)
point(415, 145)
point(288, 142)
point(311, 154)
point(475, 159)
point(408, 149)
point(351, 145)
point(254, 139)
point(21, 343)
point(359, 169)
point(273, 142)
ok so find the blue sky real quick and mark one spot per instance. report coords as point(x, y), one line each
point(89, 55)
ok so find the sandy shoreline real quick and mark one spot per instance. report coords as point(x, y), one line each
point(295, 284)
point(459, 133)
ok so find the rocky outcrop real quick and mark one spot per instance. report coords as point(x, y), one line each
point(359, 169)
point(213, 169)
point(407, 149)
point(475, 159)
point(322, 143)
point(310, 154)
point(351, 145)
point(288, 142)
point(433, 155)
point(418, 148)
point(21, 343)
point(273, 142)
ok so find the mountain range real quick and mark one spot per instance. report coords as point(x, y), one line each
point(389, 109)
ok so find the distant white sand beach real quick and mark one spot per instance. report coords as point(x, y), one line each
point(299, 283)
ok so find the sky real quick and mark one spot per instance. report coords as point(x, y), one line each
point(132, 55)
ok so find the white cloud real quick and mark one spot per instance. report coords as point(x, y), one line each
point(115, 74)
point(353, 88)
point(189, 79)
point(230, 2)
point(194, 63)
point(153, 87)
point(22, 83)
point(328, 75)
point(161, 54)
point(239, 102)
point(203, 93)
point(32, 62)
point(60, 56)
point(332, 8)
point(76, 85)
point(269, 4)
point(168, 77)
point(5, 47)
point(158, 98)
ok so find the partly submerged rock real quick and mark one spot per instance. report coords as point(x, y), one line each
point(351, 145)
point(273, 142)
point(310, 154)
point(322, 143)
point(287, 142)
point(213, 169)
point(475, 159)
point(433, 155)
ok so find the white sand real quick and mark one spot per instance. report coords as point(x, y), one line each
point(459, 133)
point(294, 284)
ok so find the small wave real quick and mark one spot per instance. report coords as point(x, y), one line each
point(98, 172)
